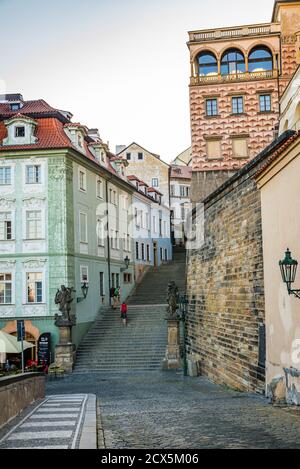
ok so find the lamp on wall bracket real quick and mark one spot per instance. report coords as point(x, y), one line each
point(126, 262)
point(288, 267)
point(84, 289)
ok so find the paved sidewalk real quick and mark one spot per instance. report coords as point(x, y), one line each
point(165, 410)
point(58, 422)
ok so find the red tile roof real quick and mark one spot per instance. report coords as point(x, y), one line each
point(151, 189)
point(29, 107)
point(49, 132)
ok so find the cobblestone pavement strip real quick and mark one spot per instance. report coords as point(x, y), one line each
point(165, 410)
point(53, 423)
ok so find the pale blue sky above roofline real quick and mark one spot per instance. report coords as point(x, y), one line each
point(119, 65)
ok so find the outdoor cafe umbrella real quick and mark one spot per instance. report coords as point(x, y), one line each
point(10, 344)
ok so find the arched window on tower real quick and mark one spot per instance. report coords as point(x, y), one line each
point(297, 117)
point(208, 64)
point(233, 61)
point(260, 59)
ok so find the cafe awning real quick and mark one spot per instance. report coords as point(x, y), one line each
point(10, 344)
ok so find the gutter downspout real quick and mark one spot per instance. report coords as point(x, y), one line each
point(108, 239)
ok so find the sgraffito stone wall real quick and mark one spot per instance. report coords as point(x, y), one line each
point(225, 321)
point(18, 392)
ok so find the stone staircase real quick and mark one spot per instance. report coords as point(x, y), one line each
point(153, 288)
point(111, 347)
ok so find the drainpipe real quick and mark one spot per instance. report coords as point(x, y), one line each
point(108, 240)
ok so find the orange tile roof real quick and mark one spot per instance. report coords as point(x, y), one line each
point(38, 106)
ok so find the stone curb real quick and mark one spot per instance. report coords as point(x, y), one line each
point(88, 437)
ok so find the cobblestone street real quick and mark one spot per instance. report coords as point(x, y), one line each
point(165, 410)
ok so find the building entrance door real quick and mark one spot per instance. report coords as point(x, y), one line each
point(155, 254)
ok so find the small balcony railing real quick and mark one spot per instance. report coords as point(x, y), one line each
point(233, 77)
point(228, 33)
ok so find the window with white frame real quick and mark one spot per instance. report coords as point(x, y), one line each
point(128, 243)
point(33, 174)
point(5, 176)
point(154, 224)
point(83, 227)
point(184, 191)
point(114, 236)
point(19, 131)
point(172, 190)
point(34, 287)
point(82, 180)
point(155, 182)
point(136, 217)
point(6, 289)
point(100, 232)
point(147, 221)
point(34, 229)
point(5, 226)
point(113, 196)
point(84, 274)
point(99, 188)
point(125, 202)
point(183, 213)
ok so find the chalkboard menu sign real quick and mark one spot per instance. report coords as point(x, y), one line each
point(44, 349)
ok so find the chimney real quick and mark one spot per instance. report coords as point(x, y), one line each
point(120, 148)
point(94, 134)
point(11, 98)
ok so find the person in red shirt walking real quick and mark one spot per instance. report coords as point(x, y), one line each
point(124, 313)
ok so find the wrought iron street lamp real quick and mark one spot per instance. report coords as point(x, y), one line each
point(126, 262)
point(84, 289)
point(288, 267)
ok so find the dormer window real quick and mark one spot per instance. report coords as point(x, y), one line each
point(80, 140)
point(15, 106)
point(19, 131)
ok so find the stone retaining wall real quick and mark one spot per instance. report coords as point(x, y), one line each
point(18, 392)
point(225, 281)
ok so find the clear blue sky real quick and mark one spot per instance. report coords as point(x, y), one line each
point(119, 65)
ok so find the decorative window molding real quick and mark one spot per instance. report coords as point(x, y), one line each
point(240, 148)
point(34, 224)
point(7, 266)
point(82, 183)
point(33, 174)
point(7, 203)
point(6, 288)
point(20, 130)
point(34, 264)
point(34, 288)
point(99, 188)
point(5, 176)
point(213, 149)
point(6, 226)
point(83, 227)
point(84, 274)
